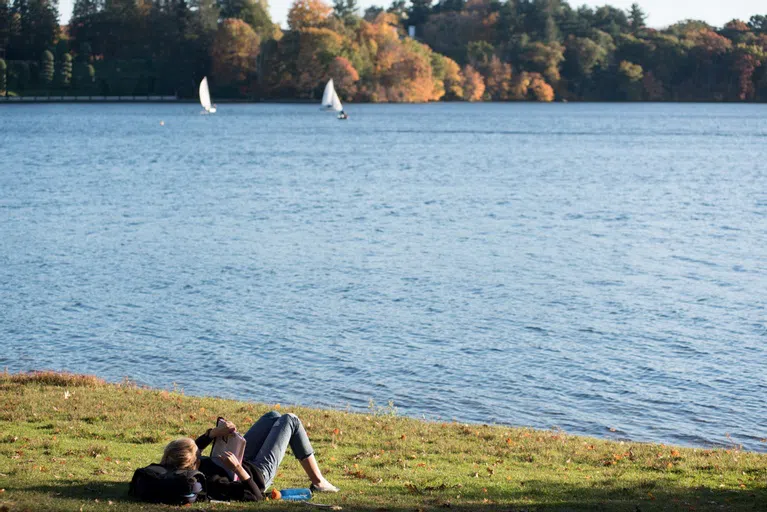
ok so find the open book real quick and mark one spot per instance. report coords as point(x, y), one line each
point(234, 443)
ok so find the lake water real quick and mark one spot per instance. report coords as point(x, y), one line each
point(597, 268)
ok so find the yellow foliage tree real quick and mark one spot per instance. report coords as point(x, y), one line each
point(448, 81)
point(317, 49)
point(520, 86)
point(453, 79)
point(234, 51)
point(308, 13)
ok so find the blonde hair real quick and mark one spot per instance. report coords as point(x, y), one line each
point(180, 454)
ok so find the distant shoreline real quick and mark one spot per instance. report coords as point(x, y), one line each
point(24, 100)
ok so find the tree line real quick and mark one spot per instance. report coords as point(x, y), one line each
point(474, 50)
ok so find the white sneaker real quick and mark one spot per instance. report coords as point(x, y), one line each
point(323, 487)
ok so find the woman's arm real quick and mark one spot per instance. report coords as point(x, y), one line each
point(250, 490)
point(219, 431)
point(230, 461)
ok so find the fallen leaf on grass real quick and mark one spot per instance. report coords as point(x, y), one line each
point(412, 488)
point(437, 488)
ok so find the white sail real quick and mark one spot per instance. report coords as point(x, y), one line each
point(335, 103)
point(328, 94)
point(205, 96)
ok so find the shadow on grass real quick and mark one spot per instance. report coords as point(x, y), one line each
point(80, 489)
point(519, 496)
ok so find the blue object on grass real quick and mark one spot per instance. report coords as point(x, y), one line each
point(296, 494)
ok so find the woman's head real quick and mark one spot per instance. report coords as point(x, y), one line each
point(181, 454)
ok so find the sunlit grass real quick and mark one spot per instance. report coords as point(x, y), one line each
point(71, 442)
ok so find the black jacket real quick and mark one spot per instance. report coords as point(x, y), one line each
point(220, 486)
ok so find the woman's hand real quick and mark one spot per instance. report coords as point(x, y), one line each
point(230, 460)
point(223, 430)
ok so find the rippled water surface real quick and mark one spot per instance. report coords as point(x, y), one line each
point(597, 268)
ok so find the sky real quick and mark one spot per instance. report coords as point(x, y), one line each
point(661, 13)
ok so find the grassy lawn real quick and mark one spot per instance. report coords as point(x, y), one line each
point(72, 442)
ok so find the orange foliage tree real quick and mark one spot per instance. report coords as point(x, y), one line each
point(745, 64)
point(473, 84)
point(308, 13)
point(498, 79)
point(234, 51)
point(344, 76)
point(539, 89)
point(401, 69)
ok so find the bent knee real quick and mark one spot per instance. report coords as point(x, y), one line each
point(272, 415)
point(292, 417)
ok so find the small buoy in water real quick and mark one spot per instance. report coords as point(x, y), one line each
point(162, 123)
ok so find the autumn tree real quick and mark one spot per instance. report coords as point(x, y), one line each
point(317, 48)
point(736, 31)
point(447, 75)
point(497, 79)
point(539, 89)
point(234, 51)
point(520, 86)
point(253, 12)
point(473, 84)
point(630, 79)
point(746, 61)
point(545, 59)
point(344, 76)
point(308, 13)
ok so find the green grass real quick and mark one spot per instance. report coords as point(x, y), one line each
point(71, 442)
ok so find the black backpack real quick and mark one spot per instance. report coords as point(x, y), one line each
point(158, 484)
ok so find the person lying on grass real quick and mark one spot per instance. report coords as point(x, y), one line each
point(266, 444)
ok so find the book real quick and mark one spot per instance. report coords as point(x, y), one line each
point(234, 443)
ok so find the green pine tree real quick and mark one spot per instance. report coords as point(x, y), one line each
point(637, 18)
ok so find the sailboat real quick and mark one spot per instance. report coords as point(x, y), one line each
point(331, 101)
point(205, 97)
